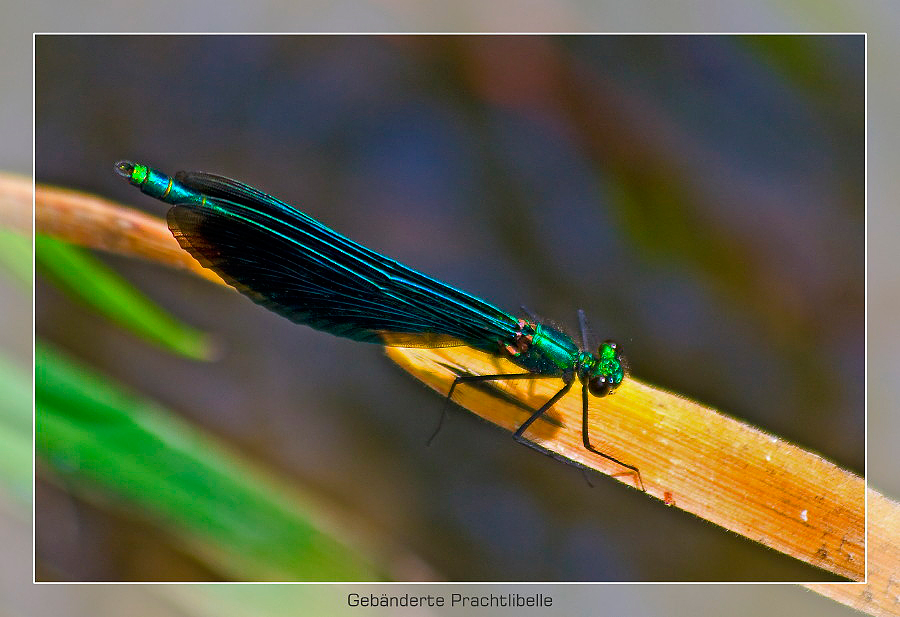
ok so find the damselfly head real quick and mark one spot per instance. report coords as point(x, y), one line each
point(609, 370)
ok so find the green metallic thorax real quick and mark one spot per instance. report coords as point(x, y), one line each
point(547, 351)
point(551, 352)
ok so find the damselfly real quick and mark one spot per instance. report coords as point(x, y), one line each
point(294, 265)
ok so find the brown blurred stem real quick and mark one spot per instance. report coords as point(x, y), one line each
point(693, 457)
point(93, 222)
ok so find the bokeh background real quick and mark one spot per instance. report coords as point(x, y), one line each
point(701, 197)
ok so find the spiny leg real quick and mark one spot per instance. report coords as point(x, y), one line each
point(519, 431)
point(544, 408)
point(474, 379)
point(586, 439)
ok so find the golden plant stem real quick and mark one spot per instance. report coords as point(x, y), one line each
point(691, 456)
point(880, 595)
point(15, 202)
point(90, 221)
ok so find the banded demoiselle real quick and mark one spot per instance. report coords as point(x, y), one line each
point(294, 265)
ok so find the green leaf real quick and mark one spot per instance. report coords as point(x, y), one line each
point(89, 280)
point(15, 255)
point(101, 439)
point(15, 432)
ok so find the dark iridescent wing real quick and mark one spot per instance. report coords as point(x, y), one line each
point(294, 265)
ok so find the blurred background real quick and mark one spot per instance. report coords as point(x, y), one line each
point(702, 198)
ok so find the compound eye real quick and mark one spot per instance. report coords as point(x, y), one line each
point(599, 386)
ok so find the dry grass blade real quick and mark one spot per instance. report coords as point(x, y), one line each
point(881, 594)
point(93, 222)
point(691, 456)
point(15, 202)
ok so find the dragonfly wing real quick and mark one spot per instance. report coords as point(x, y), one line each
point(294, 265)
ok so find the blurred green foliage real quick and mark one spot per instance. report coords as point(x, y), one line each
point(15, 255)
point(95, 284)
point(97, 438)
point(109, 446)
point(15, 432)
